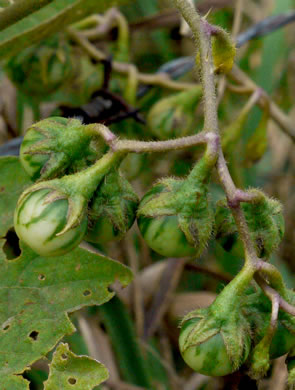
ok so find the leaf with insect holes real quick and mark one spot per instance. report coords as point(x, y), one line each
point(13, 180)
point(71, 372)
point(49, 19)
point(36, 295)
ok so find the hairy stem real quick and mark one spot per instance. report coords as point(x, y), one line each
point(159, 146)
point(202, 32)
point(274, 276)
point(202, 36)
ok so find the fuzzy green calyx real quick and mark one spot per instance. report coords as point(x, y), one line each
point(176, 217)
point(173, 116)
point(42, 69)
point(216, 341)
point(57, 146)
point(215, 346)
point(264, 218)
point(112, 210)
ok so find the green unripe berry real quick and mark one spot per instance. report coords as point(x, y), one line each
point(174, 116)
point(282, 341)
point(208, 358)
point(163, 233)
point(216, 340)
point(42, 69)
point(38, 221)
point(170, 220)
point(175, 217)
point(57, 146)
point(165, 237)
point(112, 210)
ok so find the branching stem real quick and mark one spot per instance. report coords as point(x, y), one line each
point(159, 146)
point(210, 136)
point(159, 79)
point(284, 305)
point(202, 35)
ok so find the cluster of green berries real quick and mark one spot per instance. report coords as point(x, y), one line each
point(80, 194)
point(233, 331)
point(44, 68)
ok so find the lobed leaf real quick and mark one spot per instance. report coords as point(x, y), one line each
point(36, 295)
point(71, 372)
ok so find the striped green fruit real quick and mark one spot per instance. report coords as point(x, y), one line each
point(208, 358)
point(42, 69)
point(176, 217)
point(57, 146)
point(208, 346)
point(162, 233)
point(112, 210)
point(164, 236)
point(38, 222)
point(170, 220)
point(216, 341)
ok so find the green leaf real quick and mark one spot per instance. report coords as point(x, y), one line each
point(49, 19)
point(16, 383)
point(13, 180)
point(36, 295)
point(71, 372)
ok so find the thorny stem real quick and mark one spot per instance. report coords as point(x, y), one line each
point(202, 35)
point(202, 32)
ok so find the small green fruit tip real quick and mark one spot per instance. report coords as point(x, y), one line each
point(260, 361)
